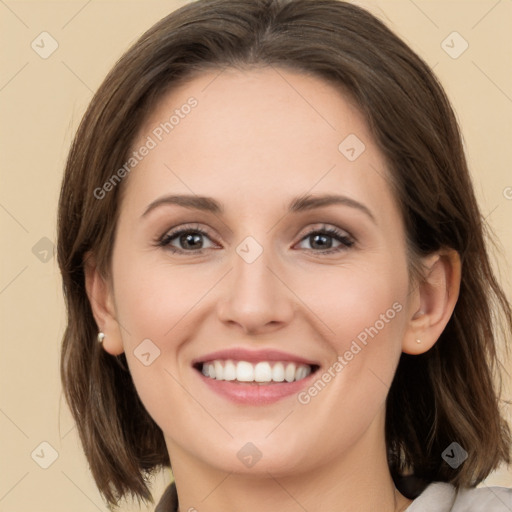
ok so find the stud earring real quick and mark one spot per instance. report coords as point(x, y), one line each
point(418, 340)
point(101, 337)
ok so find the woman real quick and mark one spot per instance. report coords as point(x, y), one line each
point(268, 225)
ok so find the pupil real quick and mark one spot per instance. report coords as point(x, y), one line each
point(323, 245)
point(193, 238)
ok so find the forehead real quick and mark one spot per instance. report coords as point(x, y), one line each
point(254, 134)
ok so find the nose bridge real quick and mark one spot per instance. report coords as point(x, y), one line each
point(251, 269)
point(256, 297)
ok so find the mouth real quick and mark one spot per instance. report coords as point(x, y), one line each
point(254, 377)
point(262, 372)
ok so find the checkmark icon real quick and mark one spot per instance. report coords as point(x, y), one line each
point(44, 455)
point(249, 455)
point(44, 45)
point(146, 352)
point(351, 147)
point(249, 249)
point(43, 250)
point(454, 45)
point(454, 455)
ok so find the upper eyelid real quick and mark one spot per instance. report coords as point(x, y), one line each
point(185, 227)
point(318, 227)
point(325, 227)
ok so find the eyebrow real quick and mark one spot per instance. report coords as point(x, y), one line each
point(298, 204)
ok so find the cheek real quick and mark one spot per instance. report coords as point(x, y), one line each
point(157, 306)
point(362, 311)
point(359, 304)
point(153, 298)
point(364, 317)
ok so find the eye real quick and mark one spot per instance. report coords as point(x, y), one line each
point(322, 239)
point(189, 239)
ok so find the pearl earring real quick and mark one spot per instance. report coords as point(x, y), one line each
point(101, 337)
point(418, 340)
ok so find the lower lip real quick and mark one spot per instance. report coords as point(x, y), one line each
point(252, 393)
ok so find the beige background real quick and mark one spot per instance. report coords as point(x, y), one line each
point(41, 102)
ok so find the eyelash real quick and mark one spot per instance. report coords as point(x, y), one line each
point(339, 235)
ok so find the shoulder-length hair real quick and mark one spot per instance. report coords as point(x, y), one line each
point(446, 395)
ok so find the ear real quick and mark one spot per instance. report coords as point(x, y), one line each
point(100, 294)
point(433, 301)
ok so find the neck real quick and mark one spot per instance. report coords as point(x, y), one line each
point(358, 480)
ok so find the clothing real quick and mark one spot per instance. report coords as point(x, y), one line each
point(437, 497)
point(169, 500)
point(443, 497)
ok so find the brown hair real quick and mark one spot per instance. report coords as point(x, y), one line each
point(442, 396)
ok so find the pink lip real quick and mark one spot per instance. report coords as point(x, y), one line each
point(250, 393)
point(253, 356)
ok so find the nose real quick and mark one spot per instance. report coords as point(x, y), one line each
point(255, 297)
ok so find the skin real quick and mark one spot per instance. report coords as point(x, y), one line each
point(257, 139)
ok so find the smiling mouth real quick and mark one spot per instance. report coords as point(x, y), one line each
point(263, 372)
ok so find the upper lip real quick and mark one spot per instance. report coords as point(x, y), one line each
point(254, 356)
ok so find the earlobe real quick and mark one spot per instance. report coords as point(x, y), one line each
point(100, 295)
point(435, 300)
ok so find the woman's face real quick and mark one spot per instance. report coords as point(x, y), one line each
point(229, 259)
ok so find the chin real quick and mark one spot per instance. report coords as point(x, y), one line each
point(259, 457)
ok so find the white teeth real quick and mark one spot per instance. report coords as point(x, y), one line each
point(289, 372)
point(244, 371)
point(229, 370)
point(218, 370)
point(278, 372)
point(301, 373)
point(262, 372)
